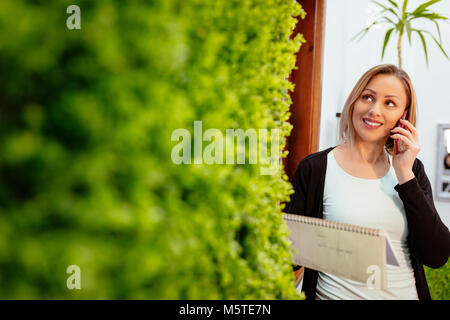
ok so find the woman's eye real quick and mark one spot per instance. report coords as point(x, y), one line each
point(392, 102)
point(366, 96)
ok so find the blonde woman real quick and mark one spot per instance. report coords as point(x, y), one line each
point(363, 181)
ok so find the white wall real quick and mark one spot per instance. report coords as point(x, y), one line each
point(345, 62)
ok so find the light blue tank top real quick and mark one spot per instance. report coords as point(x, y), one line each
point(371, 203)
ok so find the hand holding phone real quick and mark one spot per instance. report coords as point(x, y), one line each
point(399, 124)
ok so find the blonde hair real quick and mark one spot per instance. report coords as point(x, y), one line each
point(346, 127)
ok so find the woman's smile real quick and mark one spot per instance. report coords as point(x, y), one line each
point(371, 124)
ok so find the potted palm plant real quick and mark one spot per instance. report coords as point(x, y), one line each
point(401, 20)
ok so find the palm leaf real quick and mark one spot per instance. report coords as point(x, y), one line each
point(364, 31)
point(386, 9)
point(439, 45)
point(428, 15)
point(422, 7)
point(394, 4)
point(404, 21)
point(405, 3)
point(438, 30)
point(394, 13)
point(386, 40)
point(408, 30)
point(376, 2)
point(389, 20)
point(423, 43)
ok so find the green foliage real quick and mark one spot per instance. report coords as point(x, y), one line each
point(86, 176)
point(400, 20)
point(439, 282)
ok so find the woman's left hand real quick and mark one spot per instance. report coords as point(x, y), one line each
point(404, 160)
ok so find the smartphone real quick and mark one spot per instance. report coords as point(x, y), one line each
point(404, 116)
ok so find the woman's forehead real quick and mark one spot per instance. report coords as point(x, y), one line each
point(385, 82)
point(387, 85)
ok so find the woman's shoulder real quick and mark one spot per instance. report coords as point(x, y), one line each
point(315, 160)
point(318, 155)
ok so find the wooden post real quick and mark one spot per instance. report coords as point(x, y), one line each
point(306, 97)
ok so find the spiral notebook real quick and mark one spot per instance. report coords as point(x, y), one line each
point(345, 250)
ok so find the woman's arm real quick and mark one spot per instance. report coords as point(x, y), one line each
point(428, 234)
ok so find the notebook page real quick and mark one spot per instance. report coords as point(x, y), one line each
point(343, 253)
point(391, 257)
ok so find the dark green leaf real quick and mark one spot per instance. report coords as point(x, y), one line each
point(438, 30)
point(389, 20)
point(437, 42)
point(376, 2)
point(423, 6)
point(429, 15)
point(408, 30)
point(424, 44)
point(394, 13)
point(364, 31)
point(394, 4)
point(386, 40)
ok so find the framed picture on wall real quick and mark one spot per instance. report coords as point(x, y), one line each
point(443, 163)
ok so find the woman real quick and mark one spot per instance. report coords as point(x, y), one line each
point(362, 181)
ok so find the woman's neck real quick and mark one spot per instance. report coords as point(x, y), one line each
point(363, 152)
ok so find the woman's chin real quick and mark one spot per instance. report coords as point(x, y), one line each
point(372, 139)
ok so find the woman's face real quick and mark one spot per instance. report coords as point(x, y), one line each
point(378, 108)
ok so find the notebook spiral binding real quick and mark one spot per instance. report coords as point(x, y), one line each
point(333, 225)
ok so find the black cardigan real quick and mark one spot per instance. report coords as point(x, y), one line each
point(428, 238)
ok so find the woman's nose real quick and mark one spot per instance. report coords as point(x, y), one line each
point(375, 108)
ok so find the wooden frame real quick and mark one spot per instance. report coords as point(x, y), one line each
point(299, 276)
point(306, 97)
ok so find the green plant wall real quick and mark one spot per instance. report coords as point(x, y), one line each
point(86, 176)
point(439, 282)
